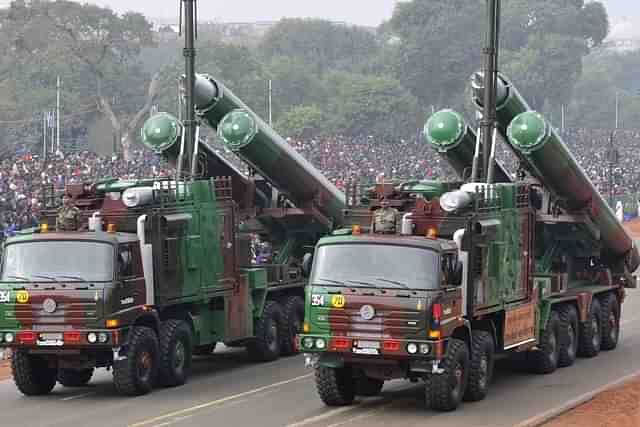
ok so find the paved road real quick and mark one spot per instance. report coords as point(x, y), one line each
point(227, 388)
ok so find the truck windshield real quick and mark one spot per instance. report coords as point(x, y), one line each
point(56, 260)
point(384, 266)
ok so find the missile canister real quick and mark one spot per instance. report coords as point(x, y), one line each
point(447, 132)
point(161, 134)
point(509, 102)
point(256, 143)
point(214, 100)
point(549, 160)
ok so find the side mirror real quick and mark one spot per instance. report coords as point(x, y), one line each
point(307, 261)
point(456, 274)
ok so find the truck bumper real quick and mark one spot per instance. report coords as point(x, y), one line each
point(52, 340)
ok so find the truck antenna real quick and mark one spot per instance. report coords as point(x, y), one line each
point(190, 35)
point(489, 116)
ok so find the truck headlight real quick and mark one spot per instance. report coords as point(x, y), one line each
point(307, 342)
point(9, 337)
point(412, 348)
point(425, 348)
point(103, 337)
point(92, 337)
point(320, 344)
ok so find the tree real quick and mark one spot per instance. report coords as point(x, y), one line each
point(371, 105)
point(294, 84)
point(321, 44)
point(95, 42)
point(301, 122)
point(543, 45)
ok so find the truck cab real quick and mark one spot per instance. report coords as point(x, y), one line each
point(382, 296)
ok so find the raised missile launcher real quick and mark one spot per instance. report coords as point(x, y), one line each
point(164, 269)
point(435, 286)
point(453, 139)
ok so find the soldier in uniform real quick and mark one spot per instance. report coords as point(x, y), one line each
point(385, 218)
point(68, 218)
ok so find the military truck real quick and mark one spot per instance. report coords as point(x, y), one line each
point(164, 269)
point(435, 280)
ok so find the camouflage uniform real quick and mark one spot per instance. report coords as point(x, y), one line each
point(68, 219)
point(385, 220)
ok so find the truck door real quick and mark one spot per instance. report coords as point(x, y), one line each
point(237, 299)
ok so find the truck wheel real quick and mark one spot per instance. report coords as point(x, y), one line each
point(32, 375)
point(591, 332)
point(568, 335)
point(336, 386)
point(175, 353)
point(204, 350)
point(610, 322)
point(444, 391)
point(480, 367)
point(544, 360)
point(293, 319)
point(265, 347)
point(368, 387)
point(137, 372)
point(74, 377)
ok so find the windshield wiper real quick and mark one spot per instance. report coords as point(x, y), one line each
point(393, 282)
point(337, 282)
point(42, 276)
point(18, 278)
point(78, 278)
point(364, 284)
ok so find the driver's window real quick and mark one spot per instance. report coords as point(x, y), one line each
point(125, 261)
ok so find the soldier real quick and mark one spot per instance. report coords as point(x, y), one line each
point(68, 218)
point(385, 218)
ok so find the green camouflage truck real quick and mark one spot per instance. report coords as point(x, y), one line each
point(435, 280)
point(164, 269)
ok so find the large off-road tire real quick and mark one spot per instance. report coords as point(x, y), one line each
point(368, 387)
point(590, 339)
point(544, 360)
point(336, 386)
point(31, 374)
point(444, 391)
point(568, 335)
point(74, 377)
point(136, 374)
point(293, 319)
point(204, 350)
point(610, 322)
point(480, 366)
point(175, 353)
point(265, 346)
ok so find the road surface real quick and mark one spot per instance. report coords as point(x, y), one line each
point(226, 388)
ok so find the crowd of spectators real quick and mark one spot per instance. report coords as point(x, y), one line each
point(23, 178)
point(339, 158)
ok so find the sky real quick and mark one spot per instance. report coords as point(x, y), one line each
point(361, 12)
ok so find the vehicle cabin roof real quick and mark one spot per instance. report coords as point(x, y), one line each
point(112, 238)
point(439, 245)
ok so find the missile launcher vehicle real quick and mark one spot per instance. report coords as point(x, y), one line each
point(432, 281)
point(164, 269)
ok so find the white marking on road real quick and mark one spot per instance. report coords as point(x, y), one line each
point(540, 419)
point(367, 414)
point(218, 401)
point(173, 421)
point(331, 413)
point(79, 396)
